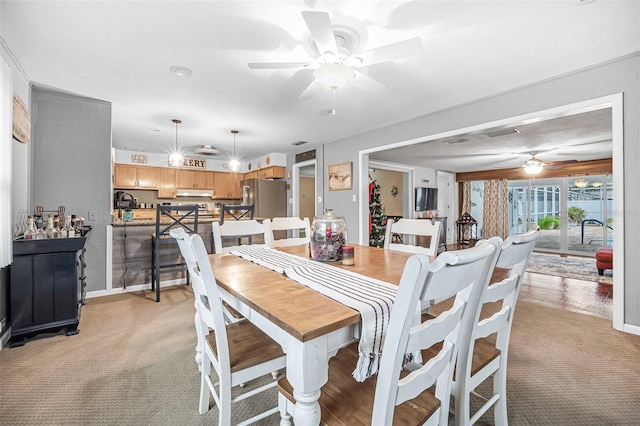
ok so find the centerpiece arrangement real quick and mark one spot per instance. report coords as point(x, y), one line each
point(328, 236)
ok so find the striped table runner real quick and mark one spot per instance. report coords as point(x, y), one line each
point(372, 298)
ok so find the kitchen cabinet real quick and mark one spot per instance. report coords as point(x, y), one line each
point(194, 179)
point(134, 177)
point(273, 172)
point(166, 182)
point(251, 175)
point(227, 186)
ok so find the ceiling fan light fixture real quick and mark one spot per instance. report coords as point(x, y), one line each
point(581, 183)
point(176, 159)
point(533, 167)
point(334, 76)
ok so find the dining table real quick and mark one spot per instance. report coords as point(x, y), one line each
point(310, 326)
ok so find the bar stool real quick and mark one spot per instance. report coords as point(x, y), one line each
point(168, 218)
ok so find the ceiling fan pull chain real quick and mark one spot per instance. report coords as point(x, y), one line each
point(333, 102)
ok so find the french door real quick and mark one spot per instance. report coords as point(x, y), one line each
point(574, 214)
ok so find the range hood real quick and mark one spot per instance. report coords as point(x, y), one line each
point(190, 192)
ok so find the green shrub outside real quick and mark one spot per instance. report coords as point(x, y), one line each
point(576, 214)
point(549, 222)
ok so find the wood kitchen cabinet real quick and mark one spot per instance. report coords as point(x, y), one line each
point(194, 179)
point(134, 177)
point(227, 186)
point(251, 175)
point(166, 182)
point(273, 172)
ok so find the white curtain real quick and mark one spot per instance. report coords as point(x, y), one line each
point(5, 164)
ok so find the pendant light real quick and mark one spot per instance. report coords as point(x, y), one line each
point(176, 159)
point(234, 164)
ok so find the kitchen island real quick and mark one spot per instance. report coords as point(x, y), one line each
point(131, 255)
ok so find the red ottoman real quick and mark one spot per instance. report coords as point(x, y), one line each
point(604, 259)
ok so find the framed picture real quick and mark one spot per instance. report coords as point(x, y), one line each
point(340, 176)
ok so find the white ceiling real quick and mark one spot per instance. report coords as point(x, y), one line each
point(121, 51)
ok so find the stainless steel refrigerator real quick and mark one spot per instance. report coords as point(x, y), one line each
point(269, 197)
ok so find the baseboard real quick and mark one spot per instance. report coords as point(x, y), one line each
point(630, 328)
point(4, 339)
point(132, 288)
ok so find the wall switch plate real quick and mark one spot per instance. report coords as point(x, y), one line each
point(92, 215)
point(319, 200)
point(290, 200)
point(354, 198)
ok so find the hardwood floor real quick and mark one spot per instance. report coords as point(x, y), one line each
point(571, 294)
point(574, 295)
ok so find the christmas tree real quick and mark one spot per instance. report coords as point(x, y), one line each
point(377, 218)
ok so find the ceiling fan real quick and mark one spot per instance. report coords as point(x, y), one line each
point(336, 65)
point(204, 150)
point(534, 165)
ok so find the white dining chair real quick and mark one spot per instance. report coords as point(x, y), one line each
point(238, 352)
point(292, 226)
point(237, 230)
point(413, 228)
point(397, 395)
point(487, 357)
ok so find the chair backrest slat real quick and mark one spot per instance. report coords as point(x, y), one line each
point(291, 225)
point(234, 229)
point(416, 228)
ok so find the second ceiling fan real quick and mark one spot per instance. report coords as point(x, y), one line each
point(336, 65)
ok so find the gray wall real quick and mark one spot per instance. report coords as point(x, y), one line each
point(620, 76)
point(20, 176)
point(72, 166)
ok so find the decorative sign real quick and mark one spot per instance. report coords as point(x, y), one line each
point(139, 158)
point(304, 156)
point(193, 163)
point(21, 120)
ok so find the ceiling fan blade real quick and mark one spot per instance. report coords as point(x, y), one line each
point(312, 89)
point(320, 27)
point(369, 84)
point(390, 52)
point(555, 165)
point(277, 65)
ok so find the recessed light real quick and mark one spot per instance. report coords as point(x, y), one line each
point(326, 112)
point(180, 71)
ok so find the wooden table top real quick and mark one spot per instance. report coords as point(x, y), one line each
point(302, 312)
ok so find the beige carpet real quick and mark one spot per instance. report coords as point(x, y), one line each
point(133, 364)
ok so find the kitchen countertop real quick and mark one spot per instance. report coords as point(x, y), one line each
point(152, 222)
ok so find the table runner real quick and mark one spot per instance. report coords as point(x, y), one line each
point(372, 298)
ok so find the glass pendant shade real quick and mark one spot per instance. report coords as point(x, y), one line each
point(234, 164)
point(176, 159)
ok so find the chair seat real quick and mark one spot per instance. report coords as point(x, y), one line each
point(343, 401)
point(484, 352)
point(248, 345)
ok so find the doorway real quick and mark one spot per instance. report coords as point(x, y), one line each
point(304, 189)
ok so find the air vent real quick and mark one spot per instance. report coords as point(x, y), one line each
point(298, 143)
point(501, 132)
point(455, 141)
point(206, 150)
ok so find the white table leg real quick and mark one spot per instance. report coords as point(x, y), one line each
point(307, 371)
